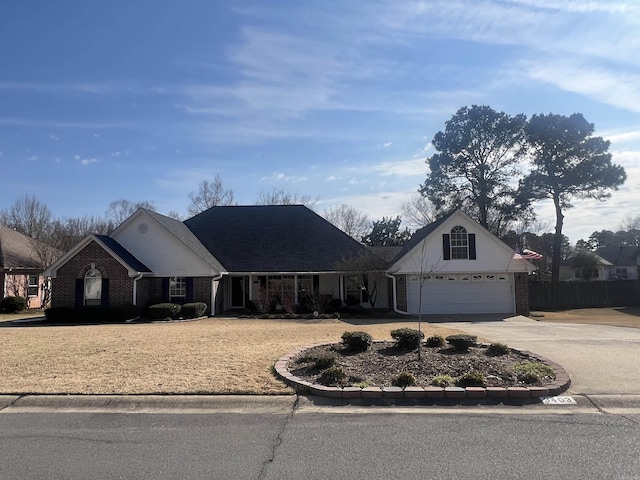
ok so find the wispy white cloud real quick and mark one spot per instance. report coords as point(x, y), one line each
point(280, 177)
point(88, 161)
point(617, 88)
point(408, 168)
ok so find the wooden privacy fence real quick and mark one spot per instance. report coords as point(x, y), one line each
point(565, 295)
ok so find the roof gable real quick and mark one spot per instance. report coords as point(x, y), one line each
point(623, 255)
point(117, 251)
point(424, 252)
point(166, 244)
point(272, 238)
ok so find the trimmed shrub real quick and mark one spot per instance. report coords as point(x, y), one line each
point(461, 343)
point(193, 310)
point(161, 311)
point(497, 349)
point(13, 304)
point(472, 379)
point(404, 380)
point(322, 362)
point(407, 338)
point(442, 381)
point(435, 341)
point(332, 376)
point(357, 341)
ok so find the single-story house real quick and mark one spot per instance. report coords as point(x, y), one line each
point(612, 263)
point(234, 257)
point(21, 267)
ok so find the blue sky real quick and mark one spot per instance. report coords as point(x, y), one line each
point(333, 99)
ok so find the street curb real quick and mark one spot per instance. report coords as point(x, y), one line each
point(302, 387)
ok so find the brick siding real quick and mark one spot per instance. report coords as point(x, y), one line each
point(522, 293)
point(64, 285)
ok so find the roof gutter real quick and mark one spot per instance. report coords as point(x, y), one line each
point(394, 292)
point(214, 291)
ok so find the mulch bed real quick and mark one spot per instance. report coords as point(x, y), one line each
point(383, 362)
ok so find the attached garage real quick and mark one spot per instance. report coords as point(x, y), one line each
point(461, 293)
point(464, 268)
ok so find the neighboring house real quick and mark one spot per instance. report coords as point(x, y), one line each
point(21, 267)
point(462, 268)
point(613, 263)
point(230, 256)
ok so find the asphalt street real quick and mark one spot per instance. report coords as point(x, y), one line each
point(278, 438)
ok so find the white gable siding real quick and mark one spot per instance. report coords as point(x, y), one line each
point(160, 250)
point(492, 255)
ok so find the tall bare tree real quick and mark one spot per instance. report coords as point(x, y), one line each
point(277, 196)
point(351, 221)
point(211, 193)
point(418, 212)
point(120, 210)
point(29, 216)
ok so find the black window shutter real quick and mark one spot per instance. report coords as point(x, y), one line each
point(446, 246)
point(189, 282)
point(365, 293)
point(165, 289)
point(79, 292)
point(472, 246)
point(104, 296)
point(316, 283)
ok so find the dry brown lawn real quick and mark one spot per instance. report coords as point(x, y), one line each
point(214, 356)
point(616, 317)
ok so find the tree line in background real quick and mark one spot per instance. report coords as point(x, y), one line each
point(492, 165)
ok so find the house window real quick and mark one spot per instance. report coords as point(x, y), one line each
point(93, 287)
point(32, 290)
point(305, 285)
point(280, 285)
point(177, 290)
point(352, 290)
point(621, 274)
point(459, 243)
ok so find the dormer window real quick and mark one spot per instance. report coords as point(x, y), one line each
point(459, 244)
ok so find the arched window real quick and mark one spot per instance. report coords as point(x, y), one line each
point(459, 242)
point(93, 287)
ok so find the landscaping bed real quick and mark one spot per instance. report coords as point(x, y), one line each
point(383, 364)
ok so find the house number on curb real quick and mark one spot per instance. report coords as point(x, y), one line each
point(559, 401)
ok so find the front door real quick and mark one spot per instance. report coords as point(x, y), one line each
point(237, 292)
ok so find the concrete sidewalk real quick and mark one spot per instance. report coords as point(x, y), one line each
point(600, 360)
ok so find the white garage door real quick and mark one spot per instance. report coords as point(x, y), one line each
point(462, 293)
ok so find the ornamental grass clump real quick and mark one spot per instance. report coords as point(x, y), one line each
point(472, 379)
point(497, 350)
point(442, 381)
point(357, 341)
point(407, 338)
point(404, 380)
point(533, 372)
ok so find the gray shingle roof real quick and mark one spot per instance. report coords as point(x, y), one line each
point(626, 255)
point(124, 254)
point(17, 250)
point(272, 238)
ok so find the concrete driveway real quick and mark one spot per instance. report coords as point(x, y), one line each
point(599, 359)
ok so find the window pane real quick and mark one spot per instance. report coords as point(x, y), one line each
point(92, 287)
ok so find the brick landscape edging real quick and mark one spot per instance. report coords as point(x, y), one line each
point(559, 385)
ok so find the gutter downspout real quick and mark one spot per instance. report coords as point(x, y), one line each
point(213, 293)
point(135, 288)
point(395, 299)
